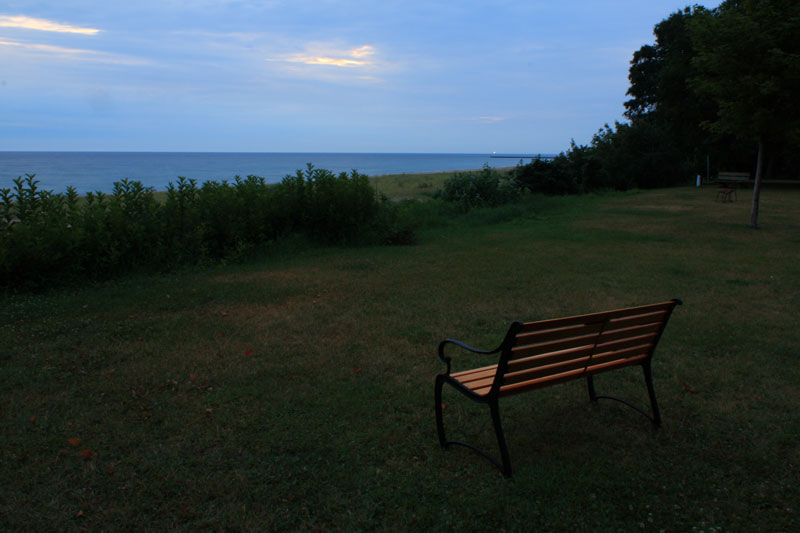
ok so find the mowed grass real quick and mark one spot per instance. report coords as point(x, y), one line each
point(296, 392)
point(418, 186)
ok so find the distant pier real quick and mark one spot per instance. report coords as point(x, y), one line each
point(543, 157)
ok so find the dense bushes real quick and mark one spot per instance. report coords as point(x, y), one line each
point(637, 155)
point(47, 237)
point(634, 155)
point(629, 157)
point(540, 176)
point(484, 188)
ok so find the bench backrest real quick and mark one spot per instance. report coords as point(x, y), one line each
point(538, 354)
point(733, 176)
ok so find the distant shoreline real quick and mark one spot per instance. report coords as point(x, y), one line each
point(422, 173)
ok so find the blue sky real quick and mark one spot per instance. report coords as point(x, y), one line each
point(326, 76)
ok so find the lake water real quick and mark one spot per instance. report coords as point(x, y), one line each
point(97, 171)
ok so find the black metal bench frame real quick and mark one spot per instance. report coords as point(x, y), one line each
point(490, 395)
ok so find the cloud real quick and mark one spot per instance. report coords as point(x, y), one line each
point(47, 48)
point(75, 53)
point(356, 57)
point(333, 63)
point(487, 119)
point(30, 23)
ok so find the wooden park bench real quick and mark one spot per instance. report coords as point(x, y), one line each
point(534, 355)
point(728, 183)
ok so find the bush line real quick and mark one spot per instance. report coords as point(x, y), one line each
point(48, 238)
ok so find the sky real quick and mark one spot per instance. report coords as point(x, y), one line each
point(427, 76)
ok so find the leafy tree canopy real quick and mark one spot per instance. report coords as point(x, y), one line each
point(748, 61)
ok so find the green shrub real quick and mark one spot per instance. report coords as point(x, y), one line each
point(393, 225)
point(132, 219)
point(238, 217)
point(639, 155)
point(468, 190)
point(47, 238)
point(182, 224)
point(335, 209)
point(540, 176)
point(632, 155)
point(38, 237)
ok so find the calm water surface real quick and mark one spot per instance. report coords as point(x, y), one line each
point(97, 171)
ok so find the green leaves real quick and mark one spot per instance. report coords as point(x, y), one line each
point(484, 188)
point(748, 62)
point(48, 237)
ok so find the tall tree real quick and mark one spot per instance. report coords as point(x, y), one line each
point(747, 59)
point(659, 73)
point(660, 90)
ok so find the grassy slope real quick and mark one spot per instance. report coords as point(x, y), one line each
point(297, 392)
point(416, 186)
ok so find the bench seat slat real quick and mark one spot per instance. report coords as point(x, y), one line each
point(466, 375)
point(478, 380)
point(476, 384)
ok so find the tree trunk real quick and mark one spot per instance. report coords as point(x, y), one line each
point(757, 186)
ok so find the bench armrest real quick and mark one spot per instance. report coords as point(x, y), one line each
point(446, 360)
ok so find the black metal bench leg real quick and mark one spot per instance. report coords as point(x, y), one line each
point(501, 440)
point(654, 415)
point(590, 385)
point(438, 405)
point(648, 378)
point(505, 467)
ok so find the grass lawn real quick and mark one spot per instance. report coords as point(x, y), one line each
point(296, 392)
